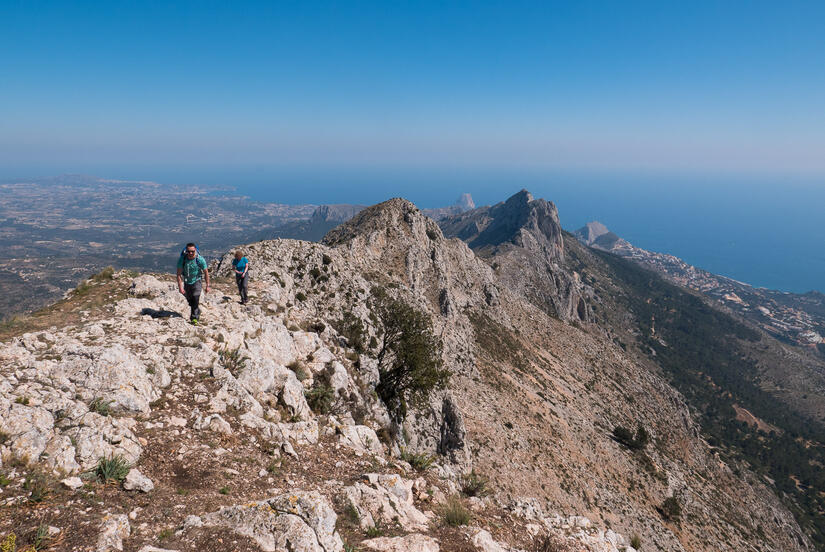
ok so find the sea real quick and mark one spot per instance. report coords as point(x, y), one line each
point(764, 230)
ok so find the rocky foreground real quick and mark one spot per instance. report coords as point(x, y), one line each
point(122, 427)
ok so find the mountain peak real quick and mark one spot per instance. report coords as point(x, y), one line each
point(519, 220)
point(465, 202)
point(394, 215)
point(590, 232)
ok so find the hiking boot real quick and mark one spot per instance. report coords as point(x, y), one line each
point(194, 321)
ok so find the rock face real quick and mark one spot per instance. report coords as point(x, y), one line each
point(523, 239)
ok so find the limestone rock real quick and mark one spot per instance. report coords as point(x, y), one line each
point(136, 481)
point(360, 438)
point(484, 541)
point(408, 543)
point(301, 521)
point(385, 499)
point(113, 530)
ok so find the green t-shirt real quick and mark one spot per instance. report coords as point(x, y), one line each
point(192, 268)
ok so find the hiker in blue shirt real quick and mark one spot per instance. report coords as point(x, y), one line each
point(241, 266)
point(191, 269)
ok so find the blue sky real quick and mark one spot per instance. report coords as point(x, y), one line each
point(679, 87)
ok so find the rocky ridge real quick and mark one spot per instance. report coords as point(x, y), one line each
point(525, 237)
point(531, 402)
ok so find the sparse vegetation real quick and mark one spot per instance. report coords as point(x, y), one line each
point(100, 406)
point(22, 400)
point(300, 296)
point(636, 542)
point(41, 538)
point(474, 484)
point(232, 360)
point(553, 543)
point(627, 438)
point(374, 531)
point(454, 513)
point(39, 486)
point(326, 259)
point(224, 490)
point(114, 468)
point(320, 397)
point(352, 328)
point(9, 543)
point(419, 462)
point(409, 355)
point(670, 509)
point(300, 370)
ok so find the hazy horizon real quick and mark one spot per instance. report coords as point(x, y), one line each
point(766, 232)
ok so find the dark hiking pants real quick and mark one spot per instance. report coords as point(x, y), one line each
point(243, 285)
point(193, 296)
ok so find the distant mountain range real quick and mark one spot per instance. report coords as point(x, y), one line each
point(327, 217)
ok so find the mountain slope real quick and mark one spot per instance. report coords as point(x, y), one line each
point(268, 412)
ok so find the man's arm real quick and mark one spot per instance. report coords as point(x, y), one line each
point(206, 277)
point(180, 280)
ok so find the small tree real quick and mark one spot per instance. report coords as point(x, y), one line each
point(670, 509)
point(409, 355)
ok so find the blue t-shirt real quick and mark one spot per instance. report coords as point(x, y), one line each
point(191, 268)
point(240, 265)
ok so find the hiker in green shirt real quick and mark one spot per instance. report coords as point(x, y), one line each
point(191, 269)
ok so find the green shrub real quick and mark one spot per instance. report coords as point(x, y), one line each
point(9, 543)
point(100, 406)
point(419, 462)
point(39, 486)
point(301, 296)
point(626, 437)
point(454, 512)
point(300, 371)
point(326, 259)
point(232, 360)
point(320, 397)
point(409, 355)
point(352, 328)
point(114, 468)
point(636, 542)
point(670, 509)
point(22, 400)
point(105, 274)
point(473, 484)
point(41, 537)
point(374, 531)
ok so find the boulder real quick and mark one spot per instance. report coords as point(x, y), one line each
point(136, 481)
